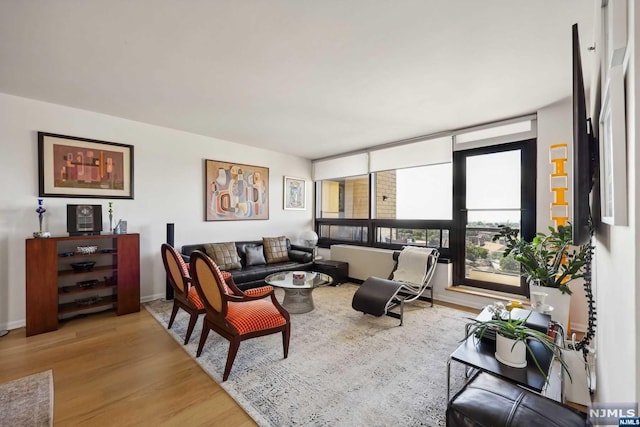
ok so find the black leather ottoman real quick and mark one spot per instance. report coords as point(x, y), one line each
point(488, 401)
point(338, 270)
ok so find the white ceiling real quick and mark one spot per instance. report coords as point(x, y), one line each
point(311, 78)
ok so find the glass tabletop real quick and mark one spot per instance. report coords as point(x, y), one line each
point(298, 279)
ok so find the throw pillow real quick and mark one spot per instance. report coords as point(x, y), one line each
point(275, 249)
point(255, 255)
point(224, 254)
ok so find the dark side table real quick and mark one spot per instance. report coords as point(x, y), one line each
point(479, 354)
point(338, 270)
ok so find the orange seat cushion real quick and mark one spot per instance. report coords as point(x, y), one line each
point(195, 298)
point(254, 316)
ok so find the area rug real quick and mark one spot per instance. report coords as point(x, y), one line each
point(27, 401)
point(344, 368)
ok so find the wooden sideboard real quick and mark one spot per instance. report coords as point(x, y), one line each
point(56, 291)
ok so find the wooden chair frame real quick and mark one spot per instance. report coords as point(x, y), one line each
point(181, 282)
point(203, 270)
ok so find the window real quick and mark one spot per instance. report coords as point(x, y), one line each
point(394, 234)
point(449, 191)
point(494, 186)
point(415, 193)
point(344, 197)
point(343, 216)
point(356, 234)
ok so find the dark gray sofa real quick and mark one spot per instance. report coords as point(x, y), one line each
point(300, 258)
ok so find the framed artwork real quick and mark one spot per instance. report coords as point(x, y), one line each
point(78, 167)
point(294, 193)
point(235, 191)
point(613, 147)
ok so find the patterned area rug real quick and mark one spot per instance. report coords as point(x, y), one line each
point(27, 401)
point(344, 368)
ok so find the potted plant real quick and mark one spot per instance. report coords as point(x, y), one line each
point(512, 339)
point(549, 261)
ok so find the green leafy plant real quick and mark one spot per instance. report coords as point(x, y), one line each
point(548, 260)
point(516, 329)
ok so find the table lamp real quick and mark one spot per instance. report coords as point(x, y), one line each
point(310, 239)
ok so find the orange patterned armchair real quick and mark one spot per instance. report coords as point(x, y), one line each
point(185, 295)
point(234, 314)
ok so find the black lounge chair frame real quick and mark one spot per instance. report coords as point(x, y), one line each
point(377, 296)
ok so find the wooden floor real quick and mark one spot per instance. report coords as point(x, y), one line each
point(119, 370)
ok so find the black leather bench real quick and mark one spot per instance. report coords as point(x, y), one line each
point(487, 400)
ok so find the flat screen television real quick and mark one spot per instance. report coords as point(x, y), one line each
point(585, 152)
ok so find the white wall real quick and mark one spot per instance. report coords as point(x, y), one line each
point(616, 261)
point(555, 127)
point(169, 187)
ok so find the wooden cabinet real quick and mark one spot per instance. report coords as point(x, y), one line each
point(56, 291)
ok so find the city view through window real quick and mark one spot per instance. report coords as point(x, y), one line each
point(493, 198)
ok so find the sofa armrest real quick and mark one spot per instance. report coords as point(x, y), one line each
point(300, 256)
point(302, 248)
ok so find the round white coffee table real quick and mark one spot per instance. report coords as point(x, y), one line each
point(298, 291)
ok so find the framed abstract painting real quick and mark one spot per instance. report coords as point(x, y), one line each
point(69, 166)
point(235, 191)
point(294, 193)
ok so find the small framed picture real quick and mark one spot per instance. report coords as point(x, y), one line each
point(613, 151)
point(295, 193)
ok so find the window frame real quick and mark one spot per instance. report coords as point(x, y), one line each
point(528, 199)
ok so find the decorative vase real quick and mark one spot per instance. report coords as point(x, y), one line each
point(40, 210)
point(110, 217)
point(560, 302)
point(510, 355)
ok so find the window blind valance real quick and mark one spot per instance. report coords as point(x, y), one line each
point(422, 153)
point(341, 167)
point(430, 150)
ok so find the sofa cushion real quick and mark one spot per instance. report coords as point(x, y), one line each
point(224, 254)
point(255, 255)
point(275, 249)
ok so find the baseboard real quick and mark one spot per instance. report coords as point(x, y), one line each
point(13, 325)
point(152, 297)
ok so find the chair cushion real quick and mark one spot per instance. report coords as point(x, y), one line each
point(490, 401)
point(255, 255)
point(195, 298)
point(253, 316)
point(224, 254)
point(275, 249)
